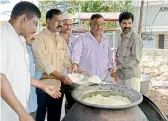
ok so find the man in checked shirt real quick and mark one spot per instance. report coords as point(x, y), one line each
point(51, 56)
point(129, 53)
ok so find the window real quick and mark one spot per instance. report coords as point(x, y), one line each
point(161, 41)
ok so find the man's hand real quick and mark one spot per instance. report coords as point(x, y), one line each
point(113, 73)
point(73, 68)
point(51, 90)
point(65, 80)
point(113, 70)
point(25, 117)
point(30, 38)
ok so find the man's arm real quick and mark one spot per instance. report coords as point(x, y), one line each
point(46, 76)
point(136, 55)
point(9, 97)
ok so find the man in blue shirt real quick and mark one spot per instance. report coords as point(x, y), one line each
point(32, 102)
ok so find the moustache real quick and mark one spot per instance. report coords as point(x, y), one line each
point(68, 29)
point(59, 26)
point(127, 28)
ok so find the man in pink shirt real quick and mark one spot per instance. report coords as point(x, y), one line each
point(91, 51)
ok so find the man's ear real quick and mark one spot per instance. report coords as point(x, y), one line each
point(23, 18)
point(47, 21)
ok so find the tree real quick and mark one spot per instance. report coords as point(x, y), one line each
point(88, 6)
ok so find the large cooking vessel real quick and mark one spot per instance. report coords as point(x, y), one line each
point(106, 90)
point(82, 111)
point(151, 110)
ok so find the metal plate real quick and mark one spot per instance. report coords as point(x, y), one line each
point(81, 92)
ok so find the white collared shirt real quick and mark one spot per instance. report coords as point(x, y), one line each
point(15, 66)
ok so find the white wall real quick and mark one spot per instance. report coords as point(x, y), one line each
point(161, 21)
point(5, 9)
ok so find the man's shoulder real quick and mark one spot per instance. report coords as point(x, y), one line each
point(5, 30)
point(41, 35)
point(136, 36)
point(135, 33)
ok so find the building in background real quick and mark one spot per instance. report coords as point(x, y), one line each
point(154, 25)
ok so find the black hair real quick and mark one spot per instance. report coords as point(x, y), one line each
point(97, 16)
point(52, 12)
point(27, 8)
point(126, 15)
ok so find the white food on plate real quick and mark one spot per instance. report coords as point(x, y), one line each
point(82, 79)
point(95, 79)
point(113, 100)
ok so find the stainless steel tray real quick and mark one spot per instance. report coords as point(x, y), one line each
point(82, 92)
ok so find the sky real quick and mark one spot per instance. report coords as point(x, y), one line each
point(5, 9)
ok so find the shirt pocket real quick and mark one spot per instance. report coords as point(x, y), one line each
point(124, 48)
point(16, 51)
point(104, 51)
point(18, 55)
point(61, 53)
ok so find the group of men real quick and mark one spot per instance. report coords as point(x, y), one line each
point(54, 52)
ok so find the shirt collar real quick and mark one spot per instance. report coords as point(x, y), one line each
point(11, 29)
point(28, 46)
point(46, 31)
point(103, 36)
point(70, 37)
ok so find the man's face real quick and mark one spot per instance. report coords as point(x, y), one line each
point(28, 25)
point(55, 23)
point(67, 26)
point(126, 25)
point(30, 38)
point(97, 26)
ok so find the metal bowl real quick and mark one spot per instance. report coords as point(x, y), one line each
point(106, 90)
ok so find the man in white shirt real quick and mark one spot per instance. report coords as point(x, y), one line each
point(67, 35)
point(15, 77)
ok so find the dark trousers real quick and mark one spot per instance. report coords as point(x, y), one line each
point(48, 104)
point(67, 90)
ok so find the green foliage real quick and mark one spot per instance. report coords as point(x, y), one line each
point(88, 6)
point(102, 5)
